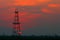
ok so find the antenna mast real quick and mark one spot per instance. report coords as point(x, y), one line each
point(16, 23)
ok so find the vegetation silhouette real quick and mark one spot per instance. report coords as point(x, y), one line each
point(41, 37)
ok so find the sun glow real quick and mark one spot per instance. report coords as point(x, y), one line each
point(30, 2)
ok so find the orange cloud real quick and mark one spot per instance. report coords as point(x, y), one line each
point(24, 2)
point(46, 10)
point(44, 1)
point(54, 5)
point(30, 2)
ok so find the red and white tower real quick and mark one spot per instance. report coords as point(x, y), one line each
point(16, 23)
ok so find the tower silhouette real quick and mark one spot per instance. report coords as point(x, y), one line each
point(16, 24)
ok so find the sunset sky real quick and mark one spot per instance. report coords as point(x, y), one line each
point(37, 17)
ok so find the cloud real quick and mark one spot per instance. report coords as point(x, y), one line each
point(45, 10)
point(54, 5)
point(30, 2)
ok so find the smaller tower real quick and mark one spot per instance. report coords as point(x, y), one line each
point(16, 23)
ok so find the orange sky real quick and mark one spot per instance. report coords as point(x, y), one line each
point(32, 10)
point(47, 4)
point(30, 2)
point(47, 7)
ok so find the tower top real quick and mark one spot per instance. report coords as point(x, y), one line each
point(16, 10)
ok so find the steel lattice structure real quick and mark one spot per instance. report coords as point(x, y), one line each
point(16, 24)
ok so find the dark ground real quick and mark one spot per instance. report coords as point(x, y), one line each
point(30, 37)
